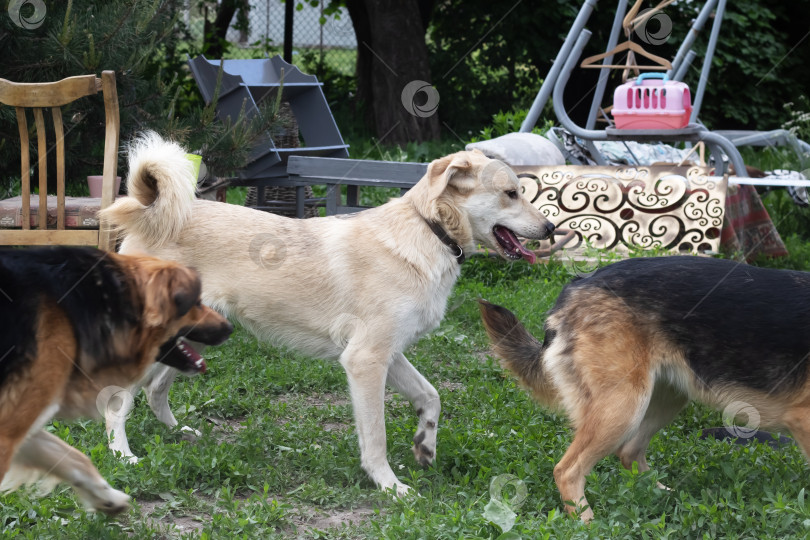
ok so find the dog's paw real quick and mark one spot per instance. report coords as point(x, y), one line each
point(586, 516)
point(190, 434)
point(126, 457)
point(110, 501)
point(399, 490)
point(423, 450)
point(112, 508)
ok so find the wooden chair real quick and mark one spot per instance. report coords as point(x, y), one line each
point(17, 214)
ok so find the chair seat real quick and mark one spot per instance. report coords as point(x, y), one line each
point(80, 212)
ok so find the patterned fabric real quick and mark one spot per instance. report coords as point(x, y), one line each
point(80, 212)
point(622, 208)
point(747, 227)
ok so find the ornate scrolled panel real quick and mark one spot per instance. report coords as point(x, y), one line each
point(619, 208)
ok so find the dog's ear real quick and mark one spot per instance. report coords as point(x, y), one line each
point(158, 302)
point(454, 170)
point(170, 293)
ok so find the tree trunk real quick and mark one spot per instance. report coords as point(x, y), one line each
point(393, 73)
point(216, 32)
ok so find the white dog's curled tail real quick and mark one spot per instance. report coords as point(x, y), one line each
point(161, 186)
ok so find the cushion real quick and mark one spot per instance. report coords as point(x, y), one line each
point(516, 149)
point(80, 212)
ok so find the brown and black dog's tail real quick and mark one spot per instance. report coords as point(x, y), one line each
point(521, 352)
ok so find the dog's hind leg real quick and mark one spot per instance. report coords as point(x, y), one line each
point(604, 422)
point(403, 377)
point(16, 422)
point(797, 420)
point(53, 456)
point(665, 404)
point(366, 370)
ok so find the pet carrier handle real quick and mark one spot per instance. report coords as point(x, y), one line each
point(643, 76)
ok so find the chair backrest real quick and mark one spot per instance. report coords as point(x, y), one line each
point(53, 95)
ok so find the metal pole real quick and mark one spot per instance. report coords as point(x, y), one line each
point(689, 40)
point(604, 73)
point(707, 62)
point(320, 42)
point(289, 11)
point(548, 83)
point(684, 66)
point(559, 87)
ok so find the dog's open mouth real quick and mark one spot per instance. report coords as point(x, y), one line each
point(180, 355)
point(512, 248)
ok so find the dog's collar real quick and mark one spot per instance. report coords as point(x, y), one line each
point(439, 231)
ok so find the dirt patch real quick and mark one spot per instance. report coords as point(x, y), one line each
point(308, 519)
point(335, 426)
point(451, 386)
point(484, 356)
point(170, 523)
point(315, 400)
point(302, 519)
point(225, 428)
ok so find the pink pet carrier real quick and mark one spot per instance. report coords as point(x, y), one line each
point(651, 104)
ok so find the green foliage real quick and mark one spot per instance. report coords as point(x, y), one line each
point(758, 65)
point(509, 122)
point(790, 219)
point(798, 122)
point(798, 257)
point(145, 43)
point(489, 57)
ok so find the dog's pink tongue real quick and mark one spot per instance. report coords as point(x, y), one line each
point(510, 236)
point(526, 254)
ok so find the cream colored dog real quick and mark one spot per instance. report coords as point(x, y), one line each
point(360, 288)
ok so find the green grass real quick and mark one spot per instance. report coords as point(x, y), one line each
point(278, 452)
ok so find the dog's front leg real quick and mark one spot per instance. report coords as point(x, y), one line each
point(403, 377)
point(157, 393)
point(366, 370)
point(55, 457)
point(116, 413)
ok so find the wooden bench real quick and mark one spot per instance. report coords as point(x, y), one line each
point(352, 173)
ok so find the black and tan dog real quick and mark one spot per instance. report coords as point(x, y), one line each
point(626, 348)
point(75, 322)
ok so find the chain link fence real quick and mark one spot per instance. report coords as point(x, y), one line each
point(257, 30)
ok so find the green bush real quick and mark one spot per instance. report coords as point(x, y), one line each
point(146, 45)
